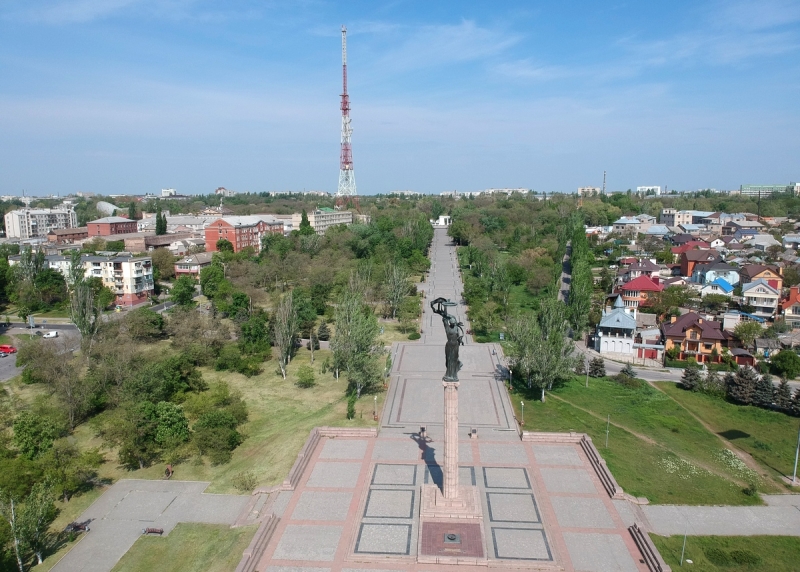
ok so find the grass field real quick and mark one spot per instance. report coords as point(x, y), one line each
point(189, 548)
point(655, 448)
point(712, 553)
point(769, 436)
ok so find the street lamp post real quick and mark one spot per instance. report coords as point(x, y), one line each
point(587, 373)
point(522, 404)
point(796, 454)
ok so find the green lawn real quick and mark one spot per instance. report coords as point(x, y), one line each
point(712, 553)
point(673, 460)
point(769, 436)
point(189, 548)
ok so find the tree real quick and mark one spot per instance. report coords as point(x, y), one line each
point(143, 324)
point(628, 370)
point(786, 364)
point(741, 386)
point(305, 226)
point(69, 470)
point(85, 310)
point(33, 434)
point(354, 345)
point(183, 291)
point(541, 348)
point(132, 211)
point(224, 245)
point(161, 222)
point(37, 513)
point(284, 330)
point(783, 396)
point(305, 377)
point(211, 277)
point(764, 392)
point(10, 510)
point(172, 427)
point(747, 332)
point(714, 302)
point(597, 367)
point(164, 262)
point(691, 379)
point(132, 428)
point(324, 332)
point(216, 436)
point(397, 286)
point(254, 335)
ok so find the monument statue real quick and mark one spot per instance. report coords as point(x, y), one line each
point(455, 337)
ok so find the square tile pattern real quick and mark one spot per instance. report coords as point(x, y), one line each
point(391, 503)
point(406, 450)
point(308, 542)
point(334, 475)
point(506, 478)
point(557, 455)
point(581, 512)
point(401, 475)
point(324, 506)
point(495, 454)
point(433, 475)
point(354, 449)
point(512, 507)
point(568, 481)
point(374, 538)
point(594, 552)
point(433, 539)
point(520, 544)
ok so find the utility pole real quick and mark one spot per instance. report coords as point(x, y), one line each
point(604, 182)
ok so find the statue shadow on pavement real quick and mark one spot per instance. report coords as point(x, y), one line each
point(429, 456)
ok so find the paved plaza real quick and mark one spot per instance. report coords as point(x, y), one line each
point(357, 505)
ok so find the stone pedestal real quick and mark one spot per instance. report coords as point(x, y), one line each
point(450, 470)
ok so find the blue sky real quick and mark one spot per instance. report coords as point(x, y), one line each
point(130, 96)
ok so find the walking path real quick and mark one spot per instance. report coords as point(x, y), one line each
point(129, 506)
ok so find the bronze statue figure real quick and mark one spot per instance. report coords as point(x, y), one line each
point(455, 337)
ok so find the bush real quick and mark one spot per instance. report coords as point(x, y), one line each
point(245, 482)
point(628, 370)
point(324, 332)
point(305, 377)
point(745, 557)
point(414, 336)
point(215, 435)
point(691, 379)
point(628, 381)
point(597, 367)
point(351, 406)
point(231, 359)
point(786, 364)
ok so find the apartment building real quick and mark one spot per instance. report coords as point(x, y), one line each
point(672, 217)
point(130, 278)
point(24, 224)
point(242, 231)
point(324, 218)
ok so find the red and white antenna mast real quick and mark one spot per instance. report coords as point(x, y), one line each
point(346, 192)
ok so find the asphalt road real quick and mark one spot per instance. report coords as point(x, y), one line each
point(8, 367)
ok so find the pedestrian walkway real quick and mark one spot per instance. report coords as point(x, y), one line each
point(129, 506)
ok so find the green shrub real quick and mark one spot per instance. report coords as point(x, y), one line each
point(628, 381)
point(305, 377)
point(245, 482)
point(351, 406)
point(414, 336)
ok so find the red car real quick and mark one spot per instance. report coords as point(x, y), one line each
point(8, 349)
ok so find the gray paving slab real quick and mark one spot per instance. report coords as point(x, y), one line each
point(496, 454)
point(520, 544)
point(724, 520)
point(506, 478)
point(593, 552)
point(625, 511)
point(466, 475)
point(581, 512)
point(384, 539)
point(334, 475)
point(390, 503)
point(403, 450)
point(394, 474)
point(344, 449)
point(309, 542)
point(322, 505)
point(142, 505)
point(567, 481)
point(512, 507)
point(558, 455)
point(281, 502)
point(296, 569)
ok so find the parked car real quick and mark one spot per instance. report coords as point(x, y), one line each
point(8, 349)
point(3, 354)
point(51, 334)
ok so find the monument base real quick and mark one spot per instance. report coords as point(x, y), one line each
point(466, 505)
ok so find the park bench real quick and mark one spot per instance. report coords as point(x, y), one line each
point(158, 531)
point(78, 526)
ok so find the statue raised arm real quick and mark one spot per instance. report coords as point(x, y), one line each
point(454, 330)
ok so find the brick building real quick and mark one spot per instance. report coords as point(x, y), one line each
point(67, 235)
point(242, 231)
point(111, 225)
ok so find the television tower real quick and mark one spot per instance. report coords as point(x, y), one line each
point(346, 192)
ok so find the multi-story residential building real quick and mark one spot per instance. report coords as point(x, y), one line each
point(67, 235)
point(695, 337)
point(762, 297)
point(672, 217)
point(242, 231)
point(589, 191)
point(111, 225)
point(769, 190)
point(790, 308)
point(24, 224)
point(192, 264)
point(651, 190)
point(322, 219)
point(637, 292)
point(691, 258)
point(634, 224)
point(130, 278)
point(640, 268)
point(771, 274)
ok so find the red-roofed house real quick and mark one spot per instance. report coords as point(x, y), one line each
point(696, 337)
point(790, 307)
point(636, 292)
